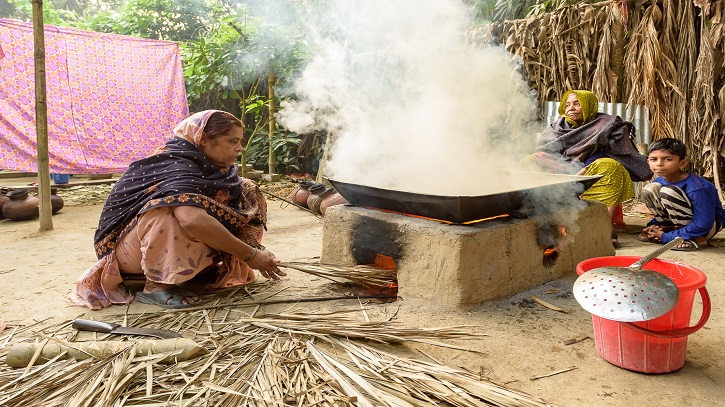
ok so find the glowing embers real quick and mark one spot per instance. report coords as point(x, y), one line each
point(552, 253)
point(388, 263)
point(470, 222)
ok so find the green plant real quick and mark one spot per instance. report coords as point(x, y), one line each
point(284, 145)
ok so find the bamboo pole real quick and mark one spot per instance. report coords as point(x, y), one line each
point(272, 122)
point(41, 118)
point(323, 160)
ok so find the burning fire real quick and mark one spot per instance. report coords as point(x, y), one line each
point(470, 222)
point(552, 253)
point(388, 263)
point(384, 262)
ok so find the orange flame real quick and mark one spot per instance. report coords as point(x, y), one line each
point(384, 262)
point(550, 254)
point(437, 220)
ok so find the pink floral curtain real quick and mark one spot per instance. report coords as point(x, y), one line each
point(111, 99)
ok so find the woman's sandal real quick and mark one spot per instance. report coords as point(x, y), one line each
point(687, 246)
point(615, 240)
point(172, 298)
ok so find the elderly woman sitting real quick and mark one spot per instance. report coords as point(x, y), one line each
point(177, 213)
point(585, 142)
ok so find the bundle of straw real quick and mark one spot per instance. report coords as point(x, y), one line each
point(364, 275)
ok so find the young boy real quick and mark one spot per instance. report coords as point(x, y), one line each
point(683, 204)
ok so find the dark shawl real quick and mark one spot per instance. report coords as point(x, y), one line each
point(605, 133)
point(179, 175)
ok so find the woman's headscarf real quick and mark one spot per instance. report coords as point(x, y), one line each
point(191, 128)
point(588, 102)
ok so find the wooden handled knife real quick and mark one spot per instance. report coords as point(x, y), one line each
point(116, 329)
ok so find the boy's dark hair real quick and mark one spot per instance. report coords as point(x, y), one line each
point(671, 145)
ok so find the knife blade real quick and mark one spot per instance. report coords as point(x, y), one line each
point(116, 329)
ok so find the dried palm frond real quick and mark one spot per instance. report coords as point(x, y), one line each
point(561, 49)
point(269, 360)
point(423, 380)
point(703, 116)
point(651, 71)
point(685, 61)
point(364, 275)
point(604, 79)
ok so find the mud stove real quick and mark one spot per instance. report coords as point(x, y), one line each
point(457, 265)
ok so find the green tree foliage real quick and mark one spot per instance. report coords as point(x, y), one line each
point(232, 62)
point(228, 48)
point(173, 20)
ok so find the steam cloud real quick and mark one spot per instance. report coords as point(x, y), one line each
point(408, 103)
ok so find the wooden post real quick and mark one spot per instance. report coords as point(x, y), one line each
point(272, 122)
point(41, 118)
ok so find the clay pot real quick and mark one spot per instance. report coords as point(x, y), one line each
point(21, 206)
point(302, 193)
point(3, 199)
point(331, 200)
point(316, 196)
point(56, 202)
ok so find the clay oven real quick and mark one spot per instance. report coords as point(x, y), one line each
point(457, 264)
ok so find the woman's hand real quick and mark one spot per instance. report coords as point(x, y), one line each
point(266, 263)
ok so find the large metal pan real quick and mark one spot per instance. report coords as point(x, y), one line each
point(460, 209)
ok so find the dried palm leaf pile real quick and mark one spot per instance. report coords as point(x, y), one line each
point(285, 359)
point(363, 275)
point(667, 55)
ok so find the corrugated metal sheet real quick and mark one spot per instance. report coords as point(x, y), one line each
point(638, 116)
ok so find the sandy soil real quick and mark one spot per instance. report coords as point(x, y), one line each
point(525, 339)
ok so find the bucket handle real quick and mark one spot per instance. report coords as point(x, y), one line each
point(681, 332)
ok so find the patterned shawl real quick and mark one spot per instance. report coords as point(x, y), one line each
point(179, 174)
point(606, 134)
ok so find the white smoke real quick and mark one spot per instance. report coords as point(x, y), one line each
point(407, 103)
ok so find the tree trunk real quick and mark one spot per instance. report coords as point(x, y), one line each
point(41, 118)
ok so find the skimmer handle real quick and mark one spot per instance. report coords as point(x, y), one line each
point(646, 259)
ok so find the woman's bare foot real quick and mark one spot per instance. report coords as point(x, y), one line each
point(153, 287)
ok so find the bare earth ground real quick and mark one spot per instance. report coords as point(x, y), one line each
point(525, 339)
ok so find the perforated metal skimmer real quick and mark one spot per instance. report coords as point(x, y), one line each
point(628, 294)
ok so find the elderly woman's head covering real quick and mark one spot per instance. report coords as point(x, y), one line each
point(588, 102)
point(191, 128)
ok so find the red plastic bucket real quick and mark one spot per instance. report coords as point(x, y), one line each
point(658, 345)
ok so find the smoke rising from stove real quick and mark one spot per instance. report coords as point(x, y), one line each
point(408, 103)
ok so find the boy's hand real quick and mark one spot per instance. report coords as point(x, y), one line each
point(654, 232)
